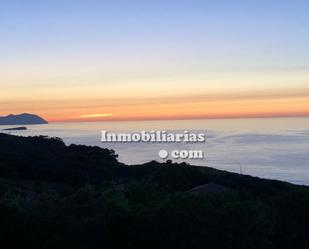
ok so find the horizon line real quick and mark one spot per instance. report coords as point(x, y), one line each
point(253, 116)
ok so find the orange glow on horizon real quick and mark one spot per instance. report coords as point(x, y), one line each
point(95, 115)
point(241, 105)
point(227, 116)
point(196, 109)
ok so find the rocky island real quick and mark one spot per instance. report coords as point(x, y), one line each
point(22, 119)
point(22, 128)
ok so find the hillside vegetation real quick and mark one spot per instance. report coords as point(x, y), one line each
point(57, 196)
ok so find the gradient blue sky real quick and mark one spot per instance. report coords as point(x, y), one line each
point(75, 51)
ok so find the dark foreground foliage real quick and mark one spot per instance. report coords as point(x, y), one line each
point(56, 196)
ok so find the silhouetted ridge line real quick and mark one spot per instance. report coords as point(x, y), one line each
point(22, 119)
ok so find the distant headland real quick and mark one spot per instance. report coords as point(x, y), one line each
point(22, 119)
point(22, 128)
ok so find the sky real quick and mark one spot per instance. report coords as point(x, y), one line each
point(85, 60)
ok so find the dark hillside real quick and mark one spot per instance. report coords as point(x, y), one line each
point(58, 196)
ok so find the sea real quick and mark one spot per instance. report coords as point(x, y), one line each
point(272, 148)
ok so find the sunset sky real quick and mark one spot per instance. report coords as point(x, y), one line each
point(84, 60)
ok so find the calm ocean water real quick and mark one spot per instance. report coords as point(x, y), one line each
point(271, 148)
